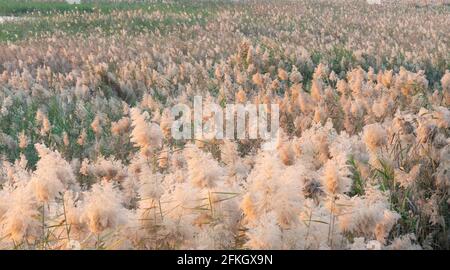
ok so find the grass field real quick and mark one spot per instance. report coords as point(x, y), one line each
point(88, 158)
point(19, 8)
point(43, 19)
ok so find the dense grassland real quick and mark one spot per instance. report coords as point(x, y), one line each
point(87, 158)
point(36, 18)
point(18, 8)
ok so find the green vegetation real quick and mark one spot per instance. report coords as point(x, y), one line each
point(19, 8)
point(46, 18)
